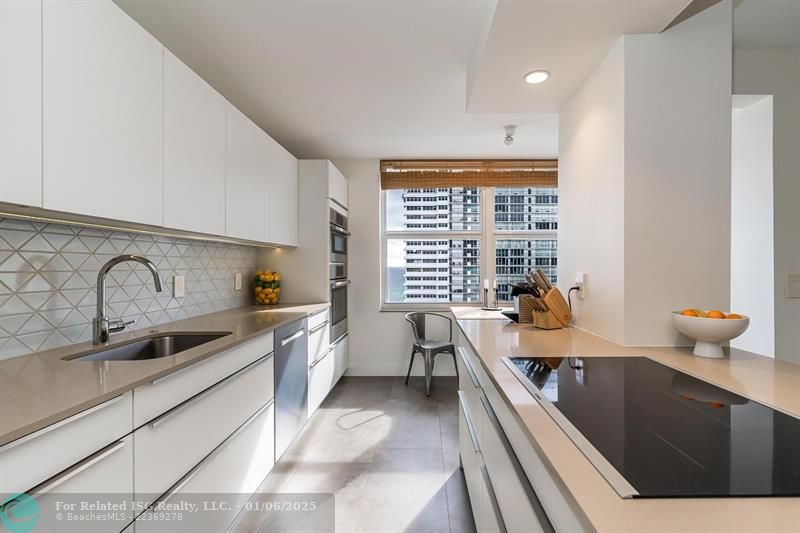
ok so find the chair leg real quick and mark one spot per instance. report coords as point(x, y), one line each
point(410, 363)
point(455, 363)
point(428, 373)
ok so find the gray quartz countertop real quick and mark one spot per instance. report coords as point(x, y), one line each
point(41, 389)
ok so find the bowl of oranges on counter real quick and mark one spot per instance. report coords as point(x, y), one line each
point(267, 287)
point(709, 328)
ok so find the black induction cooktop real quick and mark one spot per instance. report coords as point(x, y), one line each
point(656, 432)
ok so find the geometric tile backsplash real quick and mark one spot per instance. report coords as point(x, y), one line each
point(48, 275)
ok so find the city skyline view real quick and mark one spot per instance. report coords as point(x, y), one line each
point(445, 268)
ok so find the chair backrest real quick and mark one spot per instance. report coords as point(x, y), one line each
point(417, 321)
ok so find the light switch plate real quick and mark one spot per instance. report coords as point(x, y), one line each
point(178, 286)
point(793, 285)
point(237, 281)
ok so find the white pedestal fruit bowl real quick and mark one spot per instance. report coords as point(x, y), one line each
point(709, 333)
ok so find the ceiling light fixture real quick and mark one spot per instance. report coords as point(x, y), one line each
point(536, 76)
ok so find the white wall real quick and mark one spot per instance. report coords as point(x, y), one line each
point(677, 173)
point(777, 72)
point(752, 251)
point(380, 342)
point(664, 226)
point(591, 196)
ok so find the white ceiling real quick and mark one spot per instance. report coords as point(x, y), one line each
point(567, 38)
point(766, 24)
point(388, 79)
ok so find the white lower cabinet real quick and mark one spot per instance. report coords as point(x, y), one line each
point(321, 379)
point(29, 461)
point(341, 354)
point(231, 472)
point(509, 486)
point(107, 474)
point(471, 461)
point(171, 444)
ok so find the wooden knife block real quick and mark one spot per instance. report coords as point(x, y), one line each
point(546, 320)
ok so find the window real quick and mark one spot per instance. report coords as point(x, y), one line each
point(433, 241)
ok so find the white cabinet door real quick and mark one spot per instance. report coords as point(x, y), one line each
point(232, 471)
point(248, 205)
point(341, 352)
point(103, 112)
point(21, 102)
point(283, 194)
point(337, 186)
point(320, 380)
point(194, 151)
point(107, 474)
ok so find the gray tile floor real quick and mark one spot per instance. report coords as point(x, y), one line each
point(388, 454)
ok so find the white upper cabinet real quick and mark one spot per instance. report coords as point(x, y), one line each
point(21, 102)
point(283, 195)
point(194, 151)
point(103, 113)
point(337, 186)
point(248, 205)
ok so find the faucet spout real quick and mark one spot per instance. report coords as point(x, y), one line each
point(101, 326)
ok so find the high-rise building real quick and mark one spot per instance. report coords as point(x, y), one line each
point(441, 270)
point(527, 209)
point(448, 270)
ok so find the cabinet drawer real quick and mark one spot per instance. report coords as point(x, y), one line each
point(107, 474)
point(469, 385)
point(560, 509)
point(520, 507)
point(234, 469)
point(169, 446)
point(317, 319)
point(151, 400)
point(319, 340)
point(28, 461)
point(321, 378)
point(341, 353)
point(470, 459)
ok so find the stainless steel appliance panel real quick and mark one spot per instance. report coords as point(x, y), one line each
point(338, 308)
point(291, 383)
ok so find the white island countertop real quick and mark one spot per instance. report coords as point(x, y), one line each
point(771, 382)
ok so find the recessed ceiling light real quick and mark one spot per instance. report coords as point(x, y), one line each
point(537, 76)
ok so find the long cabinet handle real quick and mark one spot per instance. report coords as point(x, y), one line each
point(473, 377)
point(74, 470)
point(293, 337)
point(163, 417)
point(317, 328)
point(60, 423)
point(196, 468)
point(530, 493)
point(319, 359)
point(339, 284)
point(470, 429)
point(493, 499)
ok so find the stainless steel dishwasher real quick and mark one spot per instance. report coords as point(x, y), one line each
point(291, 383)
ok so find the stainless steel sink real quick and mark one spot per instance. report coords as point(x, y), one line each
point(151, 347)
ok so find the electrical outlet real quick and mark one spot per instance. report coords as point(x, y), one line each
point(237, 281)
point(580, 282)
point(178, 286)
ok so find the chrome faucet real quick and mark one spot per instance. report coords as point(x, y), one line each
point(102, 327)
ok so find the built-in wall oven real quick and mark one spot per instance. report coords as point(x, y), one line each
point(338, 271)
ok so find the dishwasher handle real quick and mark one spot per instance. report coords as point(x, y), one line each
point(293, 337)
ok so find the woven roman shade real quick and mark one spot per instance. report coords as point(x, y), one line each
point(445, 173)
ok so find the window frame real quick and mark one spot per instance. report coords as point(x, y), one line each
point(487, 239)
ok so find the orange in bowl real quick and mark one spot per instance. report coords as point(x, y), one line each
point(716, 314)
point(734, 316)
point(689, 312)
